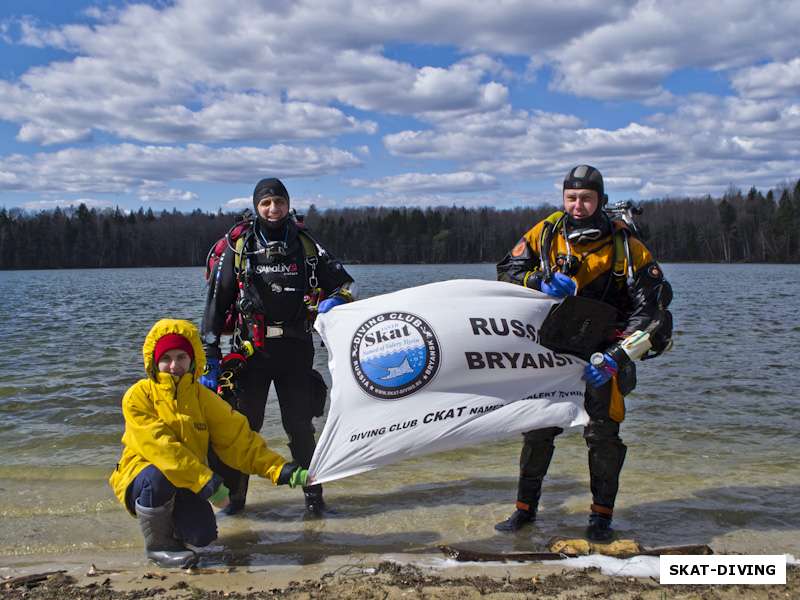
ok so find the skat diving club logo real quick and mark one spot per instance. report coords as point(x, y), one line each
point(394, 354)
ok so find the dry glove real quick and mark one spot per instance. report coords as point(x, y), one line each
point(600, 369)
point(210, 377)
point(330, 303)
point(559, 286)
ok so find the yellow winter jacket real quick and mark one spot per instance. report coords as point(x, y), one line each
point(170, 424)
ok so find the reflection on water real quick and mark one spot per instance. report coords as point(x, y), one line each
point(711, 429)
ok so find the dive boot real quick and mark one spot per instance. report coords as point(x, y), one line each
point(315, 505)
point(599, 529)
point(237, 497)
point(160, 544)
point(518, 519)
point(234, 507)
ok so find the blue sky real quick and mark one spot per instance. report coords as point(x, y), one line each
point(187, 104)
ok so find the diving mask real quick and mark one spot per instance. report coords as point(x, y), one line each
point(584, 234)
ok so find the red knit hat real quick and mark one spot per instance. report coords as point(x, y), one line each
point(172, 341)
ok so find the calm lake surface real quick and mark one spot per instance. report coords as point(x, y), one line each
point(712, 429)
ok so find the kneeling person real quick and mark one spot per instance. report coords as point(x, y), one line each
point(171, 420)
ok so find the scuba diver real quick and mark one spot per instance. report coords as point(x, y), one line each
point(582, 251)
point(267, 280)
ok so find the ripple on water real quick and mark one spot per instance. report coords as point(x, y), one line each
point(711, 438)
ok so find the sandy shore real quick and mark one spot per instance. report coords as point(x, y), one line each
point(122, 575)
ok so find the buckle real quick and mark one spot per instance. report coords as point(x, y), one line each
point(273, 331)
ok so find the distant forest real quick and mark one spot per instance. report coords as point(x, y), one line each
point(751, 227)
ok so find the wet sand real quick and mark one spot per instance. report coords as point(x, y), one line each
point(123, 575)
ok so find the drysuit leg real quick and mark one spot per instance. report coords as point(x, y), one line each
point(537, 452)
point(297, 396)
point(534, 460)
point(606, 450)
point(606, 456)
point(252, 387)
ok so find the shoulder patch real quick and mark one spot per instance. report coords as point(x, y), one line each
point(519, 249)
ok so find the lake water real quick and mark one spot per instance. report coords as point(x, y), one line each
point(712, 429)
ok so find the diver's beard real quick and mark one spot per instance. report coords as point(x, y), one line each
point(274, 224)
point(582, 222)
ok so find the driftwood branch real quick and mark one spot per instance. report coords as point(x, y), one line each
point(28, 580)
point(465, 555)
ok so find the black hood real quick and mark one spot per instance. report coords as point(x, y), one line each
point(270, 186)
point(599, 220)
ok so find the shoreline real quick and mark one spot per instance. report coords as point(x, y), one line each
point(368, 264)
point(126, 575)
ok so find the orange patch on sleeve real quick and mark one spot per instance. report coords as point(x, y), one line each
point(518, 249)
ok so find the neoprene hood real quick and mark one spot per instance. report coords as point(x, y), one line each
point(587, 178)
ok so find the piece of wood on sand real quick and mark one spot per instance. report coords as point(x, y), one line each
point(572, 549)
point(29, 581)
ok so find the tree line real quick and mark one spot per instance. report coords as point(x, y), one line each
point(738, 227)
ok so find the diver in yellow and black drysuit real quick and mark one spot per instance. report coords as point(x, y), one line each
point(582, 252)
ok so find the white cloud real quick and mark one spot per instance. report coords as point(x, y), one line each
point(152, 75)
point(631, 57)
point(369, 81)
point(701, 147)
point(418, 200)
point(9, 180)
point(621, 183)
point(261, 72)
point(58, 108)
point(128, 167)
point(459, 182)
point(37, 205)
point(238, 203)
point(155, 192)
point(776, 79)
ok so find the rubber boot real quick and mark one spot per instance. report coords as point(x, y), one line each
point(599, 529)
point(160, 544)
point(315, 504)
point(518, 519)
point(238, 494)
point(234, 480)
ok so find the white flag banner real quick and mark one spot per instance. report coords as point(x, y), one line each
point(438, 367)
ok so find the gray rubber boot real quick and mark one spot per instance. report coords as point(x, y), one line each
point(160, 544)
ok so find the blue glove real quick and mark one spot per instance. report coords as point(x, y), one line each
point(597, 376)
point(210, 377)
point(559, 286)
point(329, 303)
